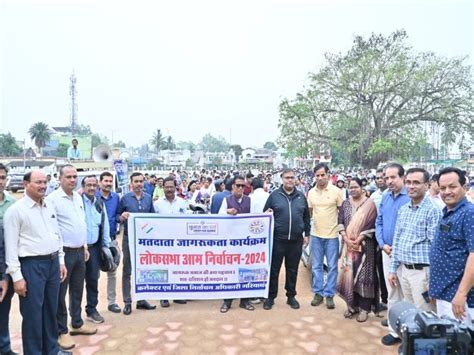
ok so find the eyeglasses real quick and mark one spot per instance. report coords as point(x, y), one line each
point(288, 177)
point(240, 186)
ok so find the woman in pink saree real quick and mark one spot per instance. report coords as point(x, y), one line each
point(357, 281)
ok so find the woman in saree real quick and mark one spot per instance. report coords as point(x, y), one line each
point(357, 283)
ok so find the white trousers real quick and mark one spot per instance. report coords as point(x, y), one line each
point(446, 309)
point(414, 283)
point(395, 294)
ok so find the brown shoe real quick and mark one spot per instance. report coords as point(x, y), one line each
point(65, 342)
point(86, 329)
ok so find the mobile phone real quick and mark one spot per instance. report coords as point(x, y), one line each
point(426, 297)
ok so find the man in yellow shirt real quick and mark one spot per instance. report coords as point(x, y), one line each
point(324, 200)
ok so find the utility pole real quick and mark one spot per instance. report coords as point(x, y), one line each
point(73, 93)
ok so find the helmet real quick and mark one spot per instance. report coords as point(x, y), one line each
point(107, 262)
point(114, 249)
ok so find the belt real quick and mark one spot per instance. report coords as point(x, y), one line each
point(416, 266)
point(73, 249)
point(40, 257)
point(93, 245)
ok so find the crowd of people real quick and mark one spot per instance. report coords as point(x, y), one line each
point(381, 238)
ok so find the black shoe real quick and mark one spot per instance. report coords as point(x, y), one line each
point(114, 308)
point(180, 301)
point(381, 307)
point(145, 305)
point(390, 340)
point(127, 309)
point(330, 303)
point(95, 318)
point(293, 303)
point(384, 323)
point(164, 303)
point(268, 304)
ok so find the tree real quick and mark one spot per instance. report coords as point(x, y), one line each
point(169, 143)
point(61, 151)
point(186, 145)
point(212, 144)
point(8, 145)
point(374, 101)
point(41, 134)
point(119, 144)
point(270, 146)
point(237, 148)
point(98, 139)
point(157, 141)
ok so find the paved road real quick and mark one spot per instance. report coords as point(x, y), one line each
point(199, 328)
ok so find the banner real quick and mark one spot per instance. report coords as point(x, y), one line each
point(200, 256)
point(121, 169)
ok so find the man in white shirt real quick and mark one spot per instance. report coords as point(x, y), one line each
point(35, 260)
point(170, 204)
point(433, 192)
point(258, 196)
point(71, 218)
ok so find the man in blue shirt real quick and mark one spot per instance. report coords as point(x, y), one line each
point(73, 153)
point(136, 201)
point(415, 229)
point(392, 200)
point(111, 201)
point(452, 253)
point(218, 197)
point(98, 235)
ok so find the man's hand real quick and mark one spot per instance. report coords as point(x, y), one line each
point(459, 305)
point(20, 287)
point(387, 249)
point(86, 254)
point(3, 289)
point(305, 241)
point(62, 272)
point(392, 278)
point(124, 216)
point(232, 211)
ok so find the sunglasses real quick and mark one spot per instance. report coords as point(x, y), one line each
point(240, 186)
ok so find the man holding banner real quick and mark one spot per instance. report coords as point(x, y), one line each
point(170, 204)
point(136, 201)
point(234, 204)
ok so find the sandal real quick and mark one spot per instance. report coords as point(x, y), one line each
point(350, 313)
point(248, 306)
point(225, 308)
point(362, 317)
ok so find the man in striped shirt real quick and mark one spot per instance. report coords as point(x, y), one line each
point(414, 232)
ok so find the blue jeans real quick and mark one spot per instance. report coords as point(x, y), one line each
point(321, 248)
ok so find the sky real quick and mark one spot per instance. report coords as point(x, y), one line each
point(192, 67)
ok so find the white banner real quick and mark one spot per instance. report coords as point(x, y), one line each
point(200, 256)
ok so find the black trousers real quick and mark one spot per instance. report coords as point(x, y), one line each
point(383, 287)
point(76, 270)
point(92, 278)
point(5, 306)
point(39, 326)
point(290, 251)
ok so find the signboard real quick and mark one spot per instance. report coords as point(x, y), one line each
point(200, 256)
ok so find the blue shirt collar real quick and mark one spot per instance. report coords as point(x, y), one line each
point(460, 204)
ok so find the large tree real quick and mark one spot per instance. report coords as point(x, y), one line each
point(169, 143)
point(158, 141)
point(377, 102)
point(41, 134)
point(8, 146)
point(209, 143)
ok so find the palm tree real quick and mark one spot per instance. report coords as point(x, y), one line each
point(157, 141)
point(170, 143)
point(41, 134)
